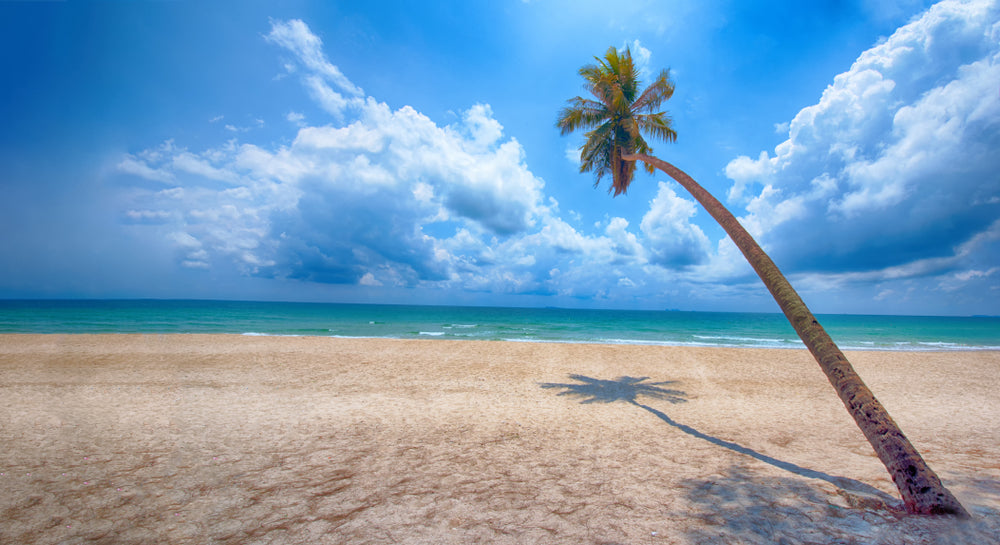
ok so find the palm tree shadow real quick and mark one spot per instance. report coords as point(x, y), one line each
point(629, 389)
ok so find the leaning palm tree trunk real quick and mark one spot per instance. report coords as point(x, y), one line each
point(919, 487)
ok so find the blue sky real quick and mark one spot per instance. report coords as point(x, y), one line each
point(397, 152)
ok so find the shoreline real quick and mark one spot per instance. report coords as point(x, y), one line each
point(133, 438)
point(434, 338)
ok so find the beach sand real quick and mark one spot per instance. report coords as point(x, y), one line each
point(234, 439)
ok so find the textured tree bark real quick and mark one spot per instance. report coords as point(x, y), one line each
point(920, 488)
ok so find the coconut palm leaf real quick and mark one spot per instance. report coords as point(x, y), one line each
point(618, 115)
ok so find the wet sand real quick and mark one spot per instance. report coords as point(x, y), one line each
point(232, 439)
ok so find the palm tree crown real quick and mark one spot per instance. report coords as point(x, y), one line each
point(618, 118)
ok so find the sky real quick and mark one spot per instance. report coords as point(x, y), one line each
point(406, 152)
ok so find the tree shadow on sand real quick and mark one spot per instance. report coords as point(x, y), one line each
point(630, 389)
point(627, 389)
point(741, 506)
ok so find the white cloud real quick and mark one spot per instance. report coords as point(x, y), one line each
point(884, 295)
point(485, 130)
point(326, 84)
point(188, 162)
point(624, 242)
point(573, 154)
point(350, 204)
point(745, 171)
point(132, 165)
point(194, 255)
point(369, 280)
point(297, 38)
point(330, 100)
point(357, 136)
point(172, 193)
point(769, 210)
point(148, 215)
point(965, 276)
point(674, 241)
point(895, 166)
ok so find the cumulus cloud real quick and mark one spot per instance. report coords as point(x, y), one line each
point(624, 243)
point(296, 37)
point(137, 167)
point(674, 241)
point(894, 172)
point(341, 204)
point(378, 197)
point(318, 74)
point(189, 163)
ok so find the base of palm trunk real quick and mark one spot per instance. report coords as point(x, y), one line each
point(919, 487)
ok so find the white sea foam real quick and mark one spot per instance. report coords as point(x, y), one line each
point(755, 340)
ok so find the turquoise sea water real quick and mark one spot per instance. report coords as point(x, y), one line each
point(488, 323)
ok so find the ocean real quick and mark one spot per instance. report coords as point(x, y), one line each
point(734, 329)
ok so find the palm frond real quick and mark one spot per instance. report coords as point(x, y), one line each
point(595, 154)
point(628, 77)
point(622, 173)
point(657, 93)
point(658, 125)
point(580, 113)
point(617, 117)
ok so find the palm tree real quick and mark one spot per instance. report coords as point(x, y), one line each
point(616, 118)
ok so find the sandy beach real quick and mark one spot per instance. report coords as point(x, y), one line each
point(235, 439)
